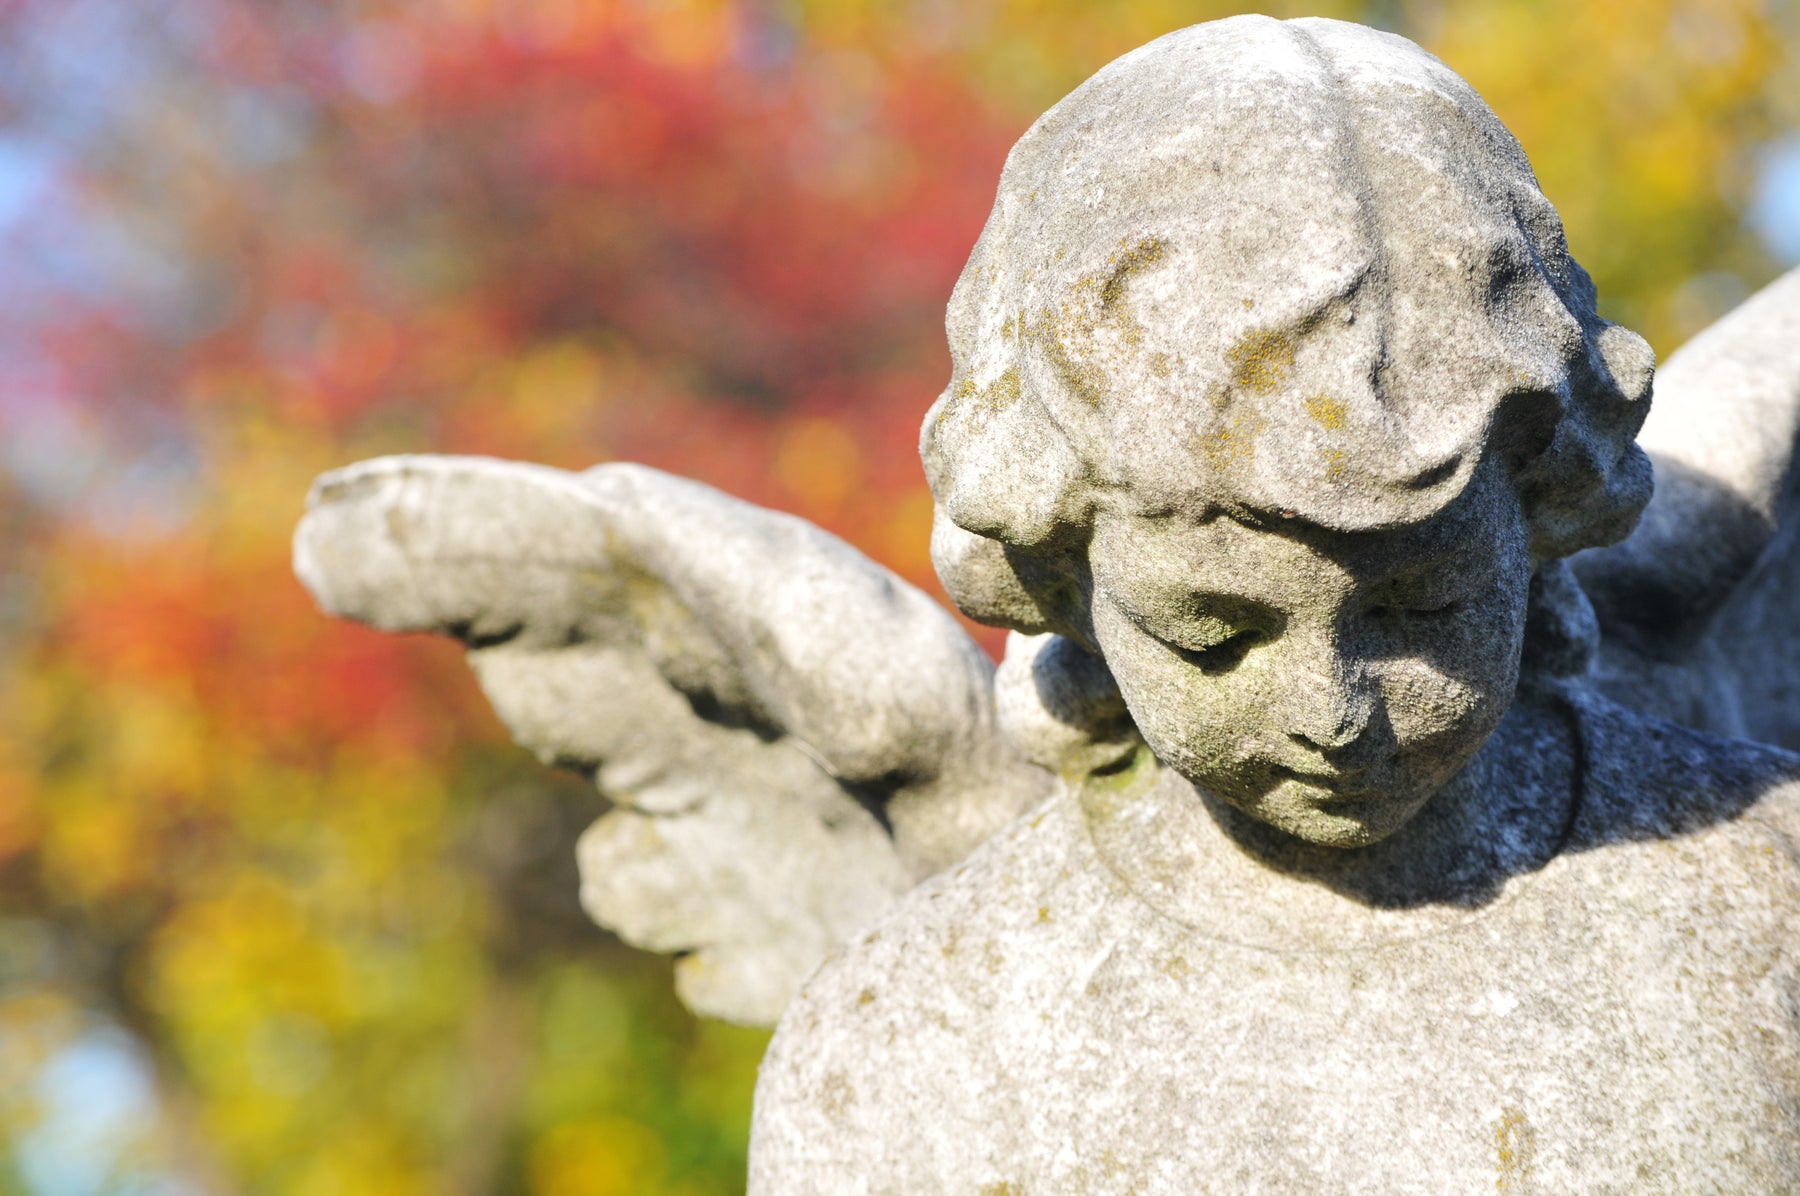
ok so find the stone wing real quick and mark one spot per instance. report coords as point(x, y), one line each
point(1700, 607)
point(790, 734)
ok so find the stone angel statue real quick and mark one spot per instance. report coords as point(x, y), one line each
point(1296, 846)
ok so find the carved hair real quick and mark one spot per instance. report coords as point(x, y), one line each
point(1260, 266)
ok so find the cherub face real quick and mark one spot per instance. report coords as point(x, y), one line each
point(1326, 683)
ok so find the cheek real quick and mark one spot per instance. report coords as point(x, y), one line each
point(1426, 705)
point(1193, 721)
point(1458, 682)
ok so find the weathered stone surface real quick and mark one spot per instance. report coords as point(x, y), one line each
point(1277, 402)
point(1118, 996)
point(1274, 386)
point(1288, 267)
point(1701, 603)
point(793, 736)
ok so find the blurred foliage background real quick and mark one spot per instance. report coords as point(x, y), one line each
point(280, 909)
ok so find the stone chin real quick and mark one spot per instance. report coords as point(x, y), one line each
point(1321, 817)
point(1349, 813)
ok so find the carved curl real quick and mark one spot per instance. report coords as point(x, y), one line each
point(1259, 266)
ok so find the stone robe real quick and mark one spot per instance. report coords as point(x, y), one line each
point(1623, 1017)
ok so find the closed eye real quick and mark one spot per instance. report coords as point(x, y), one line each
point(1394, 611)
point(1223, 656)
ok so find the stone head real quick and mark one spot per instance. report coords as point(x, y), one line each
point(1276, 387)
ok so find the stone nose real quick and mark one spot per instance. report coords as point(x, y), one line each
point(1330, 708)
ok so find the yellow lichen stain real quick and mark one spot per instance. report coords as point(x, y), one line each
point(952, 941)
point(835, 1094)
point(866, 997)
point(1119, 773)
point(1231, 446)
point(1004, 392)
point(1159, 364)
point(1515, 1145)
point(965, 388)
point(1334, 464)
point(1260, 360)
point(1329, 412)
point(1003, 1188)
point(1175, 967)
point(1006, 329)
point(1144, 254)
point(1094, 302)
point(1106, 795)
point(1086, 379)
point(993, 958)
point(1249, 303)
point(1043, 913)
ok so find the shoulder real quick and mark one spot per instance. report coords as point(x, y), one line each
point(899, 1020)
point(959, 935)
point(1693, 832)
point(1644, 777)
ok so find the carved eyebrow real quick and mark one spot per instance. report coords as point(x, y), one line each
point(1474, 568)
